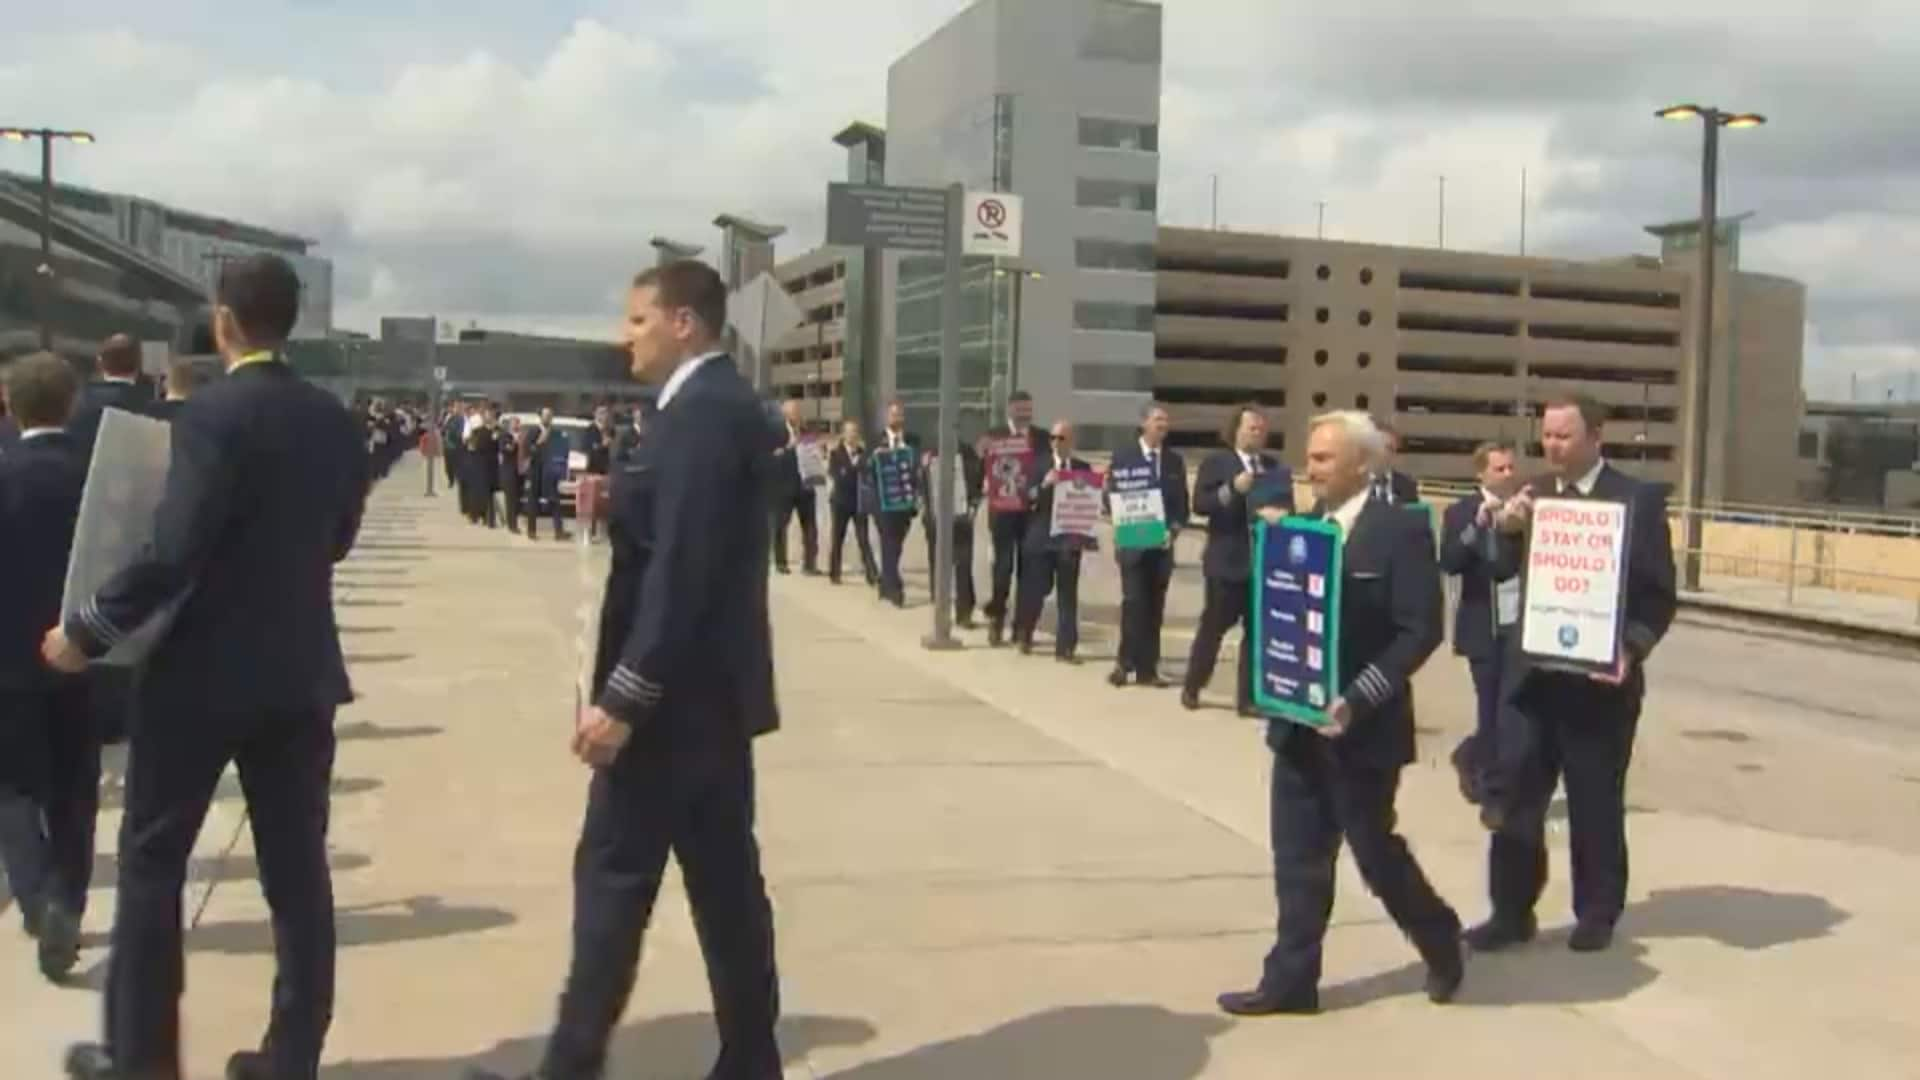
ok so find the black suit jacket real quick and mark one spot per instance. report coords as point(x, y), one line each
point(973, 475)
point(786, 474)
point(685, 652)
point(1390, 622)
point(165, 408)
point(1472, 555)
point(95, 399)
point(1040, 495)
point(40, 483)
point(1405, 489)
point(1652, 596)
point(1037, 438)
point(1173, 490)
point(843, 476)
point(1229, 553)
point(264, 494)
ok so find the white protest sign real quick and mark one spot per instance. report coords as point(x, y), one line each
point(810, 457)
point(118, 508)
point(1576, 556)
point(1076, 503)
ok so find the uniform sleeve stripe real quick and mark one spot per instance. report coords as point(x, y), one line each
point(108, 634)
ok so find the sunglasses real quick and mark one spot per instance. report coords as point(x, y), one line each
point(1059, 438)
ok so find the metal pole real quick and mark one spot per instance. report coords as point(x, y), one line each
point(45, 272)
point(1703, 350)
point(1443, 213)
point(1523, 212)
point(820, 374)
point(942, 571)
point(1793, 558)
point(433, 399)
point(1320, 226)
point(1019, 297)
point(1216, 201)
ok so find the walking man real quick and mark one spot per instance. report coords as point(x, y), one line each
point(682, 683)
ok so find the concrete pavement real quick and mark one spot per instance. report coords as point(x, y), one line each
point(992, 866)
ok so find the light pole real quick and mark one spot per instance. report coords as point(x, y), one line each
point(45, 271)
point(1714, 119)
point(1020, 274)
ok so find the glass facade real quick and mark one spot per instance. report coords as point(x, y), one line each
point(1113, 255)
point(1116, 195)
point(91, 300)
point(1124, 31)
point(985, 343)
point(1103, 315)
point(1119, 135)
point(1125, 378)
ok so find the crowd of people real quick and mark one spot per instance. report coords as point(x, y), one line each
point(267, 484)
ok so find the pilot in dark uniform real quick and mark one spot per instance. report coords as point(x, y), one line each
point(1340, 782)
point(682, 683)
point(1145, 573)
point(264, 495)
point(1231, 485)
point(1051, 564)
point(893, 525)
point(1007, 528)
point(49, 749)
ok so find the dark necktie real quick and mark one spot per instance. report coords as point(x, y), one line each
point(1153, 464)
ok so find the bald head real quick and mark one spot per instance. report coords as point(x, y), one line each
point(119, 357)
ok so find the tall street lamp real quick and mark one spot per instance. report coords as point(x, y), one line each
point(1714, 119)
point(44, 273)
point(1021, 274)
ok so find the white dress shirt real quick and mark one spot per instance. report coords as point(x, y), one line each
point(1349, 512)
point(1584, 485)
point(681, 374)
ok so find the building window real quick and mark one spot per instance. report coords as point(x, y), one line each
point(1003, 142)
point(1810, 445)
point(1119, 135)
point(1321, 315)
point(1366, 318)
point(1320, 358)
point(1360, 401)
point(1365, 360)
point(1117, 195)
point(1323, 272)
point(1101, 315)
point(1366, 276)
point(1128, 378)
point(1124, 31)
point(1112, 255)
point(1319, 399)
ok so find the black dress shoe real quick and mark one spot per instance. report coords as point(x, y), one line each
point(965, 622)
point(1591, 936)
point(1117, 677)
point(1067, 658)
point(1190, 700)
point(781, 570)
point(1026, 647)
point(90, 1061)
point(833, 579)
point(59, 942)
point(249, 1065)
point(30, 918)
point(1153, 682)
point(809, 571)
point(488, 1074)
point(1446, 969)
point(996, 634)
point(1262, 1003)
point(1501, 932)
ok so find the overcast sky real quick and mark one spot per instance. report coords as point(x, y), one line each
point(508, 162)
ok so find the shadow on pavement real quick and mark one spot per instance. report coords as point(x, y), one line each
point(229, 788)
point(1113, 1042)
point(1547, 973)
point(345, 630)
point(354, 602)
point(223, 869)
point(417, 918)
point(681, 1045)
point(378, 658)
point(369, 732)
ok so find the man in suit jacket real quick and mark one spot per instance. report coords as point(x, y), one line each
point(895, 524)
point(1577, 728)
point(483, 467)
point(1231, 485)
point(847, 466)
point(1052, 563)
point(184, 378)
point(453, 448)
point(119, 386)
point(1145, 573)
point(1390, 485)
point(1488, 609)
point(49, 752)
point(793, 495)
point(264, 495)
point(1339, 781)
point(549, 466)
point(1007, 529)
point(683, 682)
point(970, 478)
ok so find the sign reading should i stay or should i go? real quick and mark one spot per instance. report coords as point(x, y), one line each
point(1296, 618)
point(1575, 584)
point(1139, 509)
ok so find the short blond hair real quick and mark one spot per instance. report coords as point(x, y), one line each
point(1359, 428)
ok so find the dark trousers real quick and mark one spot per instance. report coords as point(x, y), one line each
point(1582, 733)
point(49, 795)
point(1144, 576)
point(843, 517)
point(543, 497)
point(784, 509)
point(1225, 605)
point(1008, 531)
point(893, 537)
point(513, 487)
point(1047, 570)
point(285, 762)
point(963, 595)
point(451, 461)
point(696, 804)
point(1317, 801)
